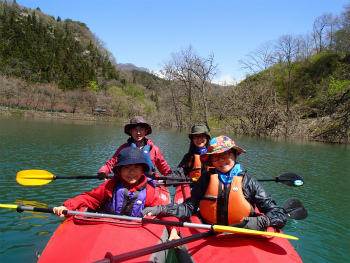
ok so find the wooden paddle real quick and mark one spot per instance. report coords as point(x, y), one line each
point(216, 228)
point(41, 177)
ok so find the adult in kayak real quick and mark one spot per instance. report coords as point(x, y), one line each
point(125, 194)
point(137, 129)
point(226, 194)
point(191, 165)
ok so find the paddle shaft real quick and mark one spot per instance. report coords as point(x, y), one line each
point(216, 228)
point(109, 258)
point(190, 180)
point(41, 177)
point(21, 208)
point(78, 177)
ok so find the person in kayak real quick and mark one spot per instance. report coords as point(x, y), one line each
point(226, 194)
point(125, 194)
point(191, 165)
point(137, 129)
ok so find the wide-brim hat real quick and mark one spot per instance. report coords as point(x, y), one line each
point(132, 155)
point(219, 145)
point(137, 120)
point(199, 129)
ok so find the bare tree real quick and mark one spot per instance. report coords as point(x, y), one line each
point(90, 98)
point(39, 96)
point(259, 114)
point(342, 36)
point(205, 70)
point(29, 96)
point(178, 70)
point(288, 50)
point(74, 98)
point(6, 89)
point(319, 32)
point(306, 47)
point(192, 72)
point(260, 59)
point(53, 93)
point(176, 106)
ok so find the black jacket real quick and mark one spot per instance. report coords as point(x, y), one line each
point(253, 192)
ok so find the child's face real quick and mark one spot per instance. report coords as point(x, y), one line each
point(224, 162)
point(138, 133)
point(131, 173)
point(200, 140)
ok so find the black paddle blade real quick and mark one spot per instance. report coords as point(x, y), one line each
point(290, 179)
point(295, 209)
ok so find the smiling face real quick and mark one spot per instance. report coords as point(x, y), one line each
point(224, 162)
point(131, 173)
point(200, 140)
point(138, 133)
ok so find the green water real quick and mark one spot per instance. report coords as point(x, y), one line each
point(82, 147)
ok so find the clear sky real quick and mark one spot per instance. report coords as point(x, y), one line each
point(146, 32)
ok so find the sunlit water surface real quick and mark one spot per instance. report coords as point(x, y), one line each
point(81, 147)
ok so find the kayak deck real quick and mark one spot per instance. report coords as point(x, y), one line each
point(232, 247)
point(76, 240)
point(83, 239)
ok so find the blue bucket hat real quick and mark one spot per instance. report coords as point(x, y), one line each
point(130, 156)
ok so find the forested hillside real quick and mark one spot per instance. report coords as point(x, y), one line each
point(296, 86)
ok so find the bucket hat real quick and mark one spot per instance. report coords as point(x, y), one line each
point(132, 155)
point(137, 120)
point(219, 145)
point(199, 129)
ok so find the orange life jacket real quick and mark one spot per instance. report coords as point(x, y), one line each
point(196, 167)
point(232, 204)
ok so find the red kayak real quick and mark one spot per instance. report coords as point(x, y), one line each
point(232, 247)
point(83, 239)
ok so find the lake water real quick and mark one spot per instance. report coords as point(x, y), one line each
point(76, 147)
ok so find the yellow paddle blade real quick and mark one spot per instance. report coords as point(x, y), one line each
point(231, 229)
point(13, 207)
point(34, 177)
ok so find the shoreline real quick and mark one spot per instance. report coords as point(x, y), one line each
point(4, 111)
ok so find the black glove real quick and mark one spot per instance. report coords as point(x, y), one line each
point(159, 210)
point(257, 223)
point(101, 176)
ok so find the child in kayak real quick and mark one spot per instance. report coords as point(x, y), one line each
point(129, 183)
point(226, 194)
point(191, 166)
point(138, 128)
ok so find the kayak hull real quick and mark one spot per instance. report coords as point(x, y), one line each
point(83, 239)
point(232, 247)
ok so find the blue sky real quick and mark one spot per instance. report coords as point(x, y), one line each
point(146, 32)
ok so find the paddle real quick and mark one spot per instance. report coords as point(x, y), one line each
point(295, 209)
point(292, 206)
point(149, 250)
point(41, 177)
point(216, 228)
point(290, 179)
